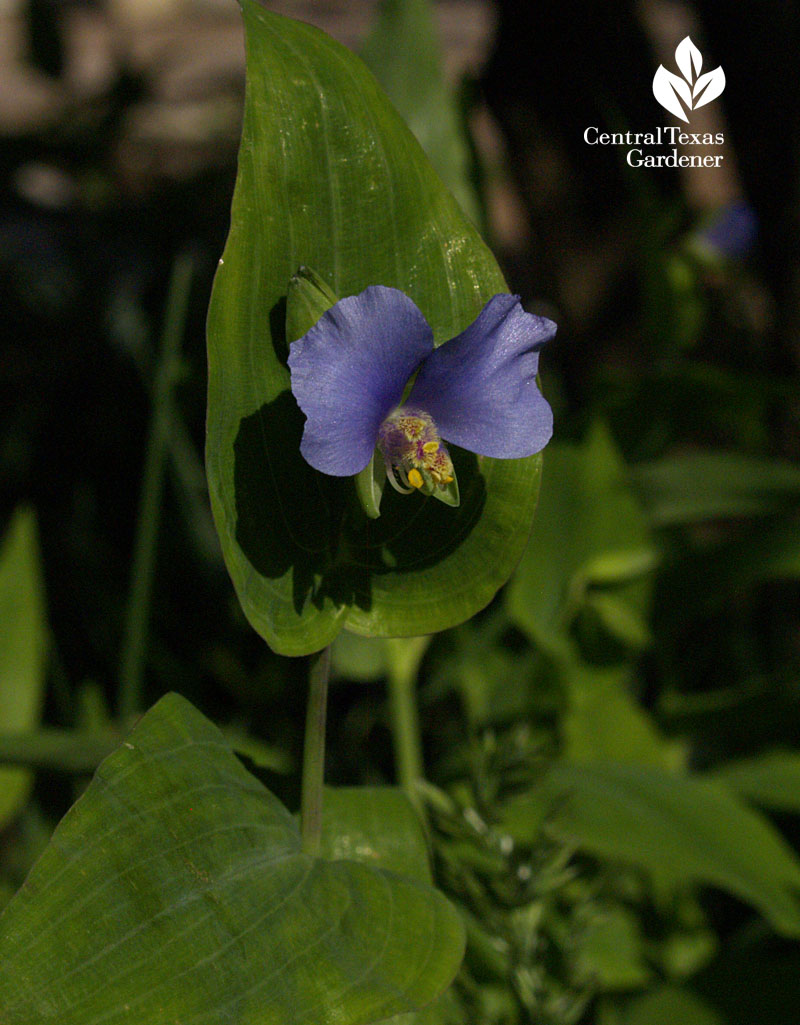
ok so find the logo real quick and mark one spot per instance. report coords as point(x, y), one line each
point(679, 95)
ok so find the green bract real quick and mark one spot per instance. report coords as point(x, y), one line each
point(331, 178)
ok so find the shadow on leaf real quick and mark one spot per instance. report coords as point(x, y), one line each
point(414, 533)
point(289, 517)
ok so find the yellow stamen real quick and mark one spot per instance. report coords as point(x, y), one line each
point(415, 478)
point(447, 480)
point(430, 446)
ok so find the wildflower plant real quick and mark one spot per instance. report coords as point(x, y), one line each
point(330, 178)
point(359, 334)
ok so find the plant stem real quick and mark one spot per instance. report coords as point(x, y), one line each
point(314, 752)
point(137, 615)
point(405, 655)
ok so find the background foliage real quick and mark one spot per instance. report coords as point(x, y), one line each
point(613, 772)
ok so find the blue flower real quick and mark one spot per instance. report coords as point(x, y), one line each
point(731, 232)
point(477, 391)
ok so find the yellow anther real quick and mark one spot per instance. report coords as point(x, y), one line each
point(447, 480)
point(415, 479)
point(430, 446)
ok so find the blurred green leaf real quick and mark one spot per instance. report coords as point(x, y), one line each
point(685, 951)
point(590, 532)
point(404, 54)
point(603, 720)
point(359, 658)
point(66, 750)
point(176, 890)
point(23, 649)
point(665, 1005)
point(699, 486)
point(493, 681)
point(611, 950)
point(678, 828)
point(330, 177)
point(444, 1011)
point(620, 619)
point(262, 755)
point(771, 779)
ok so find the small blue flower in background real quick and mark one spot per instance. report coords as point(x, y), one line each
point(729, 234)
point(477, 391)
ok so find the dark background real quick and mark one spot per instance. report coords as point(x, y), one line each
point(119, 131)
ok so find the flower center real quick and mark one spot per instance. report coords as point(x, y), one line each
point(412, 448)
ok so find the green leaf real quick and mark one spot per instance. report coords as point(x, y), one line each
point(370, 484)
point(65, 750)
point(308, 296)
point(591, 532)
point(175, 890)
point(365, 659)
point(603, 720)
point(376, 825)
point(23, 649)
point(620, 619)
point(665, 1005)
point(379, 826)
point(331, 178)
point(404, 54)
point(493, 682)
point(445, 1011)
point(678, 828)
point(610, 949)
point(771, 779)
point(709, 485)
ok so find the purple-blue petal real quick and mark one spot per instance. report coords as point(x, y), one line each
point(480, 387)
point(349, 372)
point(732, 231)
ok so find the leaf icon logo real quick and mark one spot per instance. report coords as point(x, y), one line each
point(678, 94)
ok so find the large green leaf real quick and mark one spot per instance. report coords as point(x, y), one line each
point(175, 890)
point(23, 646)
point(330, 177)
point(376, 825)
point(379, 826)
point(678, 828)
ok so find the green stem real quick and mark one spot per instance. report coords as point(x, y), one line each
point(144, 557)
point(314, 753)
point(405, 655)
